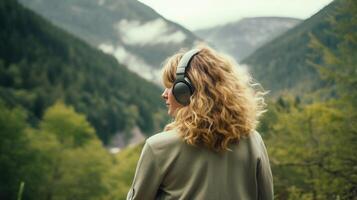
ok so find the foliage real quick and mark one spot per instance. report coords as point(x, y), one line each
point(62, 159)
point(312, 145)
point(122, 174)
point(14, 147)
point(311, 149)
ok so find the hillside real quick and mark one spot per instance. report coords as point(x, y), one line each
point(243, 37)
point(134, 33)
point(41, 64)
point(282, 64)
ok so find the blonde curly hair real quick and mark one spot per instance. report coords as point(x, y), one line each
point(225, 105)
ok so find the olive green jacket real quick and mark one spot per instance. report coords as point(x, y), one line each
point(169, 168)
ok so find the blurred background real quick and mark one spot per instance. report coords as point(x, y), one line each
point(80, 89)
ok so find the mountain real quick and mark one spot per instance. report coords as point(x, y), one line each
point(134, 33)
point(283, 63)
point(243, 37)
point(41, 64)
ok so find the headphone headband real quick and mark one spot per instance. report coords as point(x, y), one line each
point(185, 61)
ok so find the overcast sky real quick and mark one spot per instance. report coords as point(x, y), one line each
point(195, 14)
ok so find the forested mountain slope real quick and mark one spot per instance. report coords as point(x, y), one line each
point(41, 64)
point(282, 64)
point(134, 33)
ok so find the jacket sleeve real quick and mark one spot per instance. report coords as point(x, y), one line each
point(264, 175)
point(147, 177)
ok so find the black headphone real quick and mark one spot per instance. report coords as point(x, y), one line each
point(182, 88)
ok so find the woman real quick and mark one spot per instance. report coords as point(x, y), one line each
point(211, 149)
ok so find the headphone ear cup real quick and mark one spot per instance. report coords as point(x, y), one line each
point(189, 84)
point(182, 93)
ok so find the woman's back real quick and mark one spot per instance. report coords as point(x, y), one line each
point(213, 106)
point(169, 168)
